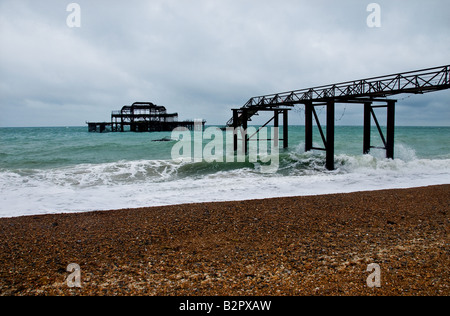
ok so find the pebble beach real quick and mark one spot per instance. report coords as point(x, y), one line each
point(298, 246)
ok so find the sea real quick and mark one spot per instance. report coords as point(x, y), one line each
point(49, 170)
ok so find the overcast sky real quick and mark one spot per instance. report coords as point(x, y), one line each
point(201, 58)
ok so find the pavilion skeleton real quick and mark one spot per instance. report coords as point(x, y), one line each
point(371, 93)
point(142, 117)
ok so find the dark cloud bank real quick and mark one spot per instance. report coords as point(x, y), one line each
point(202, 58)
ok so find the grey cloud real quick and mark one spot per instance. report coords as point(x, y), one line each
point(202, 58)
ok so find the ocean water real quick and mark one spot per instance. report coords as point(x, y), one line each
point(67, 169)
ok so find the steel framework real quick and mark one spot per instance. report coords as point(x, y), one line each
point(364, 91)
point(417, 82)
point(141, 117)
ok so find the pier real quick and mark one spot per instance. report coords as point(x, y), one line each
point(141, 117)
point(370, 92)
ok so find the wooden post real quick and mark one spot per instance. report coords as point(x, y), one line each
point(330, 135)
point(308, 126)
point(390, 129)
point(367, 127)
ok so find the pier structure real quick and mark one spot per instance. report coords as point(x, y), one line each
point(370, 93)
point(141, 117)
point(241, 117)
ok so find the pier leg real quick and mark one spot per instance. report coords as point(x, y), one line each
point(330, 135)
point(308, 126)
point(245, 127)
point(235, 126)
point(285, 129)
point(367, 127)
point(276, 124)
point(390, 129)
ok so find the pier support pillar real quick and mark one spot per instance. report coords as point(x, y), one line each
point(285, 129)
point(388, 141)
point(308, 126)
point(276, 125)
point(330, 135)
point(367, 127)
point(235, 126)
point(245, 127)
point(390, 129)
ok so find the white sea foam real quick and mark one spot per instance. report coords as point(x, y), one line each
point(123, 184)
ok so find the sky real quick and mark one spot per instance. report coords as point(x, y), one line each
point(201, 58)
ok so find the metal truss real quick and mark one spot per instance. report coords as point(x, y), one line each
point(416, 82)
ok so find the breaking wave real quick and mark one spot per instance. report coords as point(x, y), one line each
point(126, 184)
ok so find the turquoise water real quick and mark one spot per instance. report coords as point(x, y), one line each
point(40, 148)
point(64, 169)
point(61, 146)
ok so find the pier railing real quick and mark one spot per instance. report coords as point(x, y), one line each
point(417, 82)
